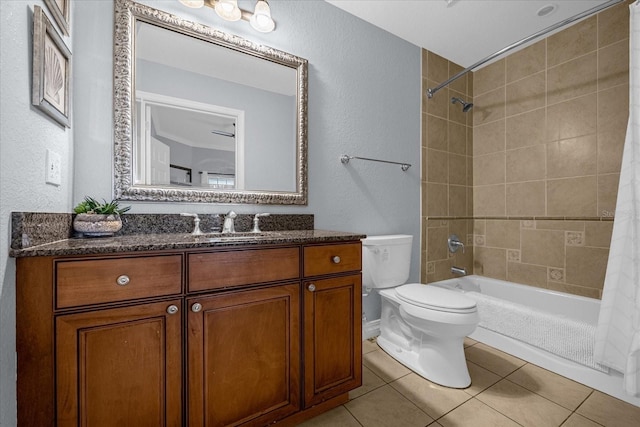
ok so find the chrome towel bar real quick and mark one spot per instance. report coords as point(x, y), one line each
point(345, 160)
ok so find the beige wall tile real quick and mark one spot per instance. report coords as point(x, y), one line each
point(527, 274)
point(489, 78)
point(489, 106)
point(572, 118)
point(613, 108)
point(560, 225)
point(437, 166)
point(437, 244)
point(457, 138)
point(527, 61)
point(437, 67)
point(457, 169)
point(436, 199)
point(489, 169)
point(424, 63)
point(457, 200)
point(503, 234)
point(490, 262)
point(526, 129)
point(586, 266)
point(610, 146)
point(607, 194)
point(439, 104)
point(572, 79)
point(459, 85)
point(573, 197)
point(542, 247)
point(489, 200)
point(526, 164)
point(613, 24)
point(577, 40)
point(489, 138)
point(613, 65)
point(423, 164)
point(572, 157)
point(437, 133)
point(479, 226)
point(598, 233)
point(526, 199)
point(526, 94)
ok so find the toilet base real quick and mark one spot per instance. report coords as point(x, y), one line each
point(450, 371)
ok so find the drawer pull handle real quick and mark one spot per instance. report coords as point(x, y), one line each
point(311, 287)
point(123, 280)
point(336, 259)
point(172, 309)
point(196, 307)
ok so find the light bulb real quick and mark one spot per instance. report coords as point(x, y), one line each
point(261, 19)
point(196, 4)
point(228, 10)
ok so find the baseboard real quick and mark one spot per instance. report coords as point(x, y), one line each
point(370, 329)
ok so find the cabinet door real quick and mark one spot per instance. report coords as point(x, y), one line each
point(243, 352)
point(120, 366)
point(332, 337)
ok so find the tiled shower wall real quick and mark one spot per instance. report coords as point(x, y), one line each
point(548, 126)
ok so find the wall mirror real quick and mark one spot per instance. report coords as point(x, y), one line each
point(205, 116)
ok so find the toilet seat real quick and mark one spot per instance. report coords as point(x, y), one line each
point(434, 298)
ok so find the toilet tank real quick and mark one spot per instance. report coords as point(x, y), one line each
point(386, 260)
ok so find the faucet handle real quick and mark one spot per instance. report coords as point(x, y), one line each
point(454, 243)
point(196, 223)
point(256, 222)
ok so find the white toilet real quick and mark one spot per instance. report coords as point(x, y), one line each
point(421, 326)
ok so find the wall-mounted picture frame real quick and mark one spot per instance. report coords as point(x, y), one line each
point(51, 80)
point(60, 11)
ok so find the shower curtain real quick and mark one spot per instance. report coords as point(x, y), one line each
point(618, 333)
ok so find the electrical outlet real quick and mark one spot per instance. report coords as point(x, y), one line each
point(53, 173)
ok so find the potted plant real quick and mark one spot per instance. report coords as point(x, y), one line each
point(98, 219)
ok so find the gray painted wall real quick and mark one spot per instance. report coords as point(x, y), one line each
point(364, 100)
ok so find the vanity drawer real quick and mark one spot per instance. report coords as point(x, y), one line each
point(330, 259)
point(215, 270)
point(95, 281)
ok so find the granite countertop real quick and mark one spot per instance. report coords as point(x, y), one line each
point(155, 242)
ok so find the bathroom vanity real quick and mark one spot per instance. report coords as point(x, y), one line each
point(187, 330)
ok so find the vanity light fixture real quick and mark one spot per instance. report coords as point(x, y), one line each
point(228, 10)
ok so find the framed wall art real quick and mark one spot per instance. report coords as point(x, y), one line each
point(60, 11)
point(51, 70)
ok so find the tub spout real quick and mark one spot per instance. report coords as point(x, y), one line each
point(460, 271)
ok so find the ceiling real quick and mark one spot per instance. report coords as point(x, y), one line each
point(463, 31)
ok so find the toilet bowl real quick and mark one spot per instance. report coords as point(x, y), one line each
point(422, 327)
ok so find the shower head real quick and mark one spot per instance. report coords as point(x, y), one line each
point(465, 106)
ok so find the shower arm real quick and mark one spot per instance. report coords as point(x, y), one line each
point(596, 9)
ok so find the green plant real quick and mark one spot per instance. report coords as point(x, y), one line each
point(91, 206)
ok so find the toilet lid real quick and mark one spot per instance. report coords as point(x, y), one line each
point(435, 298)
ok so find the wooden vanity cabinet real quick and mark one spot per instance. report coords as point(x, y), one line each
point(250, 336)
point(332, 321)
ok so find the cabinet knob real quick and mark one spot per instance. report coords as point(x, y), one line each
point(172, 309)
point(196, 307)
point(123, 280)
point(311, 287)
point(336, 259)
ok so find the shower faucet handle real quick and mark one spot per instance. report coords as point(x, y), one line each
point(454, 243)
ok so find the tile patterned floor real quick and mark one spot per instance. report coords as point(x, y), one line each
point(505, 391)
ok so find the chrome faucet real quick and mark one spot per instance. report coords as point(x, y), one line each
point(228, 226)
point(196, 223)
point(454, 243)
point(460, 271)
point(256, 222)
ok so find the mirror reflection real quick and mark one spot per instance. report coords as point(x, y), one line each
point(211, 117)
point(205, 116)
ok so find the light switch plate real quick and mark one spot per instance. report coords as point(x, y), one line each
point(53, 174)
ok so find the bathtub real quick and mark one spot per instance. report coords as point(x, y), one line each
point(551, 306)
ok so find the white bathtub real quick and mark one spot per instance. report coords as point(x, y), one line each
point(561, 306)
